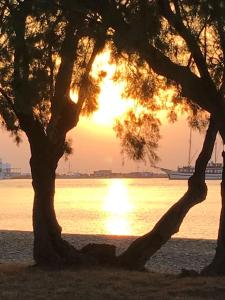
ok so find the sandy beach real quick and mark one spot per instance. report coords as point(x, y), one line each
point(19, 280)
point(16, 246)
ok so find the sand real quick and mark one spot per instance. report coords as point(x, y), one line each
point(20, 280)
point(16, 246)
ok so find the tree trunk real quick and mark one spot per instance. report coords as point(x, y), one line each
point(217, 266)
point(49, 247)
point(139, 252)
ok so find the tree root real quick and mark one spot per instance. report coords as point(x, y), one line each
point(54, 251)
point(65, 255)
point(217, 266)
point(188, 273)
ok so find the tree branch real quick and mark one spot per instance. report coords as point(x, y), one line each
point(221, 33)
point(176, 21)
point(63, 79)
point(60, 100)
point(196, 89)
point(9, 99)
point(99, 45)
point(193, 87)
point(21, 60)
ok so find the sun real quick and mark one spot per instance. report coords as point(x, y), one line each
point(111, 104)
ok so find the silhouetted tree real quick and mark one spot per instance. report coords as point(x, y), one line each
point(46, 50)
point(183, 41)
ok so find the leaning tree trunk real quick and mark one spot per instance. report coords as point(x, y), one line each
point(138, 253)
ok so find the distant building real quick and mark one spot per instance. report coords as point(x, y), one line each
point(102, 173)
point(6, 171)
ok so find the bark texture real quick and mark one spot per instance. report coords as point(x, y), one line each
point(49, 248)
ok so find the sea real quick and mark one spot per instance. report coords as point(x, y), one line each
point(111, 206)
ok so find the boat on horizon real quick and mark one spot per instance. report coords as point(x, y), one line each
point(213, 172)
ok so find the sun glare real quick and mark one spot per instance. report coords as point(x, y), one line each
point(74, 95)
point(111, 104)
point(117, 200)
point(117, 207)
point(118, 226)
point(164, 98)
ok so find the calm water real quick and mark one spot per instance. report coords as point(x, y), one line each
point(111, 206)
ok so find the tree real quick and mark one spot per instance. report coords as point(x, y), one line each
point(46, 50)
point(183, 41)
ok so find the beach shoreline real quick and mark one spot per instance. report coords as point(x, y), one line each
point(176, 254)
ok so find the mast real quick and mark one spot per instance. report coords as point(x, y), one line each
point(189, 150)
point(69, 171)
point(215, 151)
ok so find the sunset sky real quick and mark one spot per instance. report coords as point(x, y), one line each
point(96, 147)
point(94, 142)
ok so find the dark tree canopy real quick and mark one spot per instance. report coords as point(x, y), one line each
point(46, 50)
point(179, 45)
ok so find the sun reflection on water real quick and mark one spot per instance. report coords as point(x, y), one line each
point(118, 226)
point(118, 207)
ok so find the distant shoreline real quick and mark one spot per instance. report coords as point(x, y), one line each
point(93, 177)
point(178, 253)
